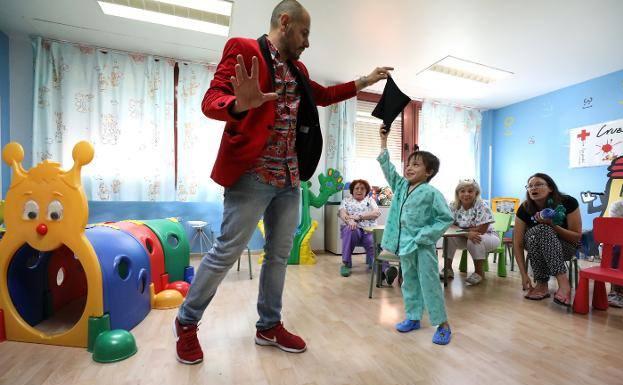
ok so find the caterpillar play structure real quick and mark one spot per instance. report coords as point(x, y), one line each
point(65, 283)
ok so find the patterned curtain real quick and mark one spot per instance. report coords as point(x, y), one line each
point(453, 135)
point(122, 103)
point(340, 140)
point(198, 137)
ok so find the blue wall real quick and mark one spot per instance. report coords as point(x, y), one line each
point(184, 211)
point(4, 108)
point(533, 136)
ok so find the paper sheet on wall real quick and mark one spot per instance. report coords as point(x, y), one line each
point(595, 145)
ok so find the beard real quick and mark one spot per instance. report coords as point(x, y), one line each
point(291, 51)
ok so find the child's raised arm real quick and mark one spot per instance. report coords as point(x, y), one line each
point(388, 168)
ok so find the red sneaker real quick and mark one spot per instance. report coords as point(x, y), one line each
point(278, 336)
point(187, 345)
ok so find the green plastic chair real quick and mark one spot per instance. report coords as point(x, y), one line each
point(501, 226)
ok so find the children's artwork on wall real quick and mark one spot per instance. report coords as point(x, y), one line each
point(588, 103)
point(548, 109)
point(595, 145)
point(508, 122)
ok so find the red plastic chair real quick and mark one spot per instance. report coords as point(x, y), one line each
point(608, 231)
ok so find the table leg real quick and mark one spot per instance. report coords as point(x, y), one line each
point(444, 255)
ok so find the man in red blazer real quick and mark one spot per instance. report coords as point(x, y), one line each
point(272, 141)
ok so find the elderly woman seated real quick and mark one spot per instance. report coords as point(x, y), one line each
point(358, 212)
point(475, 217)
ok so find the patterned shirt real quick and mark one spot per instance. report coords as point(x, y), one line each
point(278, 160)
point(364, 206)
point(477, 215)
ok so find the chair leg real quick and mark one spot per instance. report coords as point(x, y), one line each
point(580, 302)
point(250, 270)
point(509, 248)
point(373, 273)
point(577, 269)
point(502, 264)
point(239, 263)
point(600, 298)
point(463, 263)
point(379, 274)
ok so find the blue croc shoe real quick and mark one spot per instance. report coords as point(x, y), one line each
point(407, 325)
point(442, 336)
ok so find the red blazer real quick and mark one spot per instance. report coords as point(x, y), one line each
point(245, 136)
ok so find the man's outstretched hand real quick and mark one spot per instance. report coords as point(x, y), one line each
point(377, 74)
point(247, 88)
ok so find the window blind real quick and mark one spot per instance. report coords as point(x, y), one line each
point(367, 141)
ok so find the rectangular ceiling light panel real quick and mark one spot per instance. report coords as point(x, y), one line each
point(468, 70)
point(207, 16)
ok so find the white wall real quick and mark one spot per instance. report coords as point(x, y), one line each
point(21, 70)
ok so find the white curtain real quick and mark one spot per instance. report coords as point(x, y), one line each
point(122, 103)
point(198, 137)
point(453, 135)
point(340, 140)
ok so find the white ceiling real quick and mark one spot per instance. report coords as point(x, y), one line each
point(547, 44)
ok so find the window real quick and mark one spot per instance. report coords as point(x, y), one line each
point(452, 133)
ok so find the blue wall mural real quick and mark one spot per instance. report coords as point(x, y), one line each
point(533, 136)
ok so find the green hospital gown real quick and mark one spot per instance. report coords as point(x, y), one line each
point(415, 222)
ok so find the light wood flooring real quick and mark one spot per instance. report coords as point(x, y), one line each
point(498, 338)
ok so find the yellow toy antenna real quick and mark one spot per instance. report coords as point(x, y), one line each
point(82, 154)
point(13, 154)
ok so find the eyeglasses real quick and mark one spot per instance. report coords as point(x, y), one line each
point(535, 186)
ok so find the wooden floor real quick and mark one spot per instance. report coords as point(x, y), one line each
point(498, 338)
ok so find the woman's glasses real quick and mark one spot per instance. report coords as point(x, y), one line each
point(535, 186)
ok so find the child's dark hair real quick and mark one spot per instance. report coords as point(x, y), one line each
point(431, 162)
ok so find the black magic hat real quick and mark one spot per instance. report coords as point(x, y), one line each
point(392, 102)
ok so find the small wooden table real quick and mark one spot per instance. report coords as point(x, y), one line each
point(453, 231)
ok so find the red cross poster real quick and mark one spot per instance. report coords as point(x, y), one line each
point(595, 145)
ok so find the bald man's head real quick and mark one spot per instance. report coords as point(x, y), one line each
point(288, 7)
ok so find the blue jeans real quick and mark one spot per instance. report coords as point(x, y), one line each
point(244, 204)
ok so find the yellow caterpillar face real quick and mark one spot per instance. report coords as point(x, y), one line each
point(45, 204)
